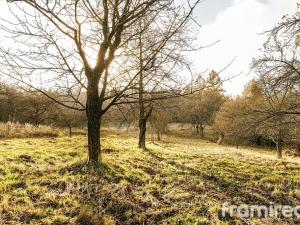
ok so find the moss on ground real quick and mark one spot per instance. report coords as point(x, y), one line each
point(176, 181)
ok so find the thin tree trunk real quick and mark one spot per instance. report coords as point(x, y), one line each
point(220, 141)
point(236, 144)
point(70, 131)
point(142, 134)
point(152, 134)
point(128, 126)
point(279, 148)
point(197, 129)
point(280, 139)
point(158, 135)
point(142, 118)
point(201, 131)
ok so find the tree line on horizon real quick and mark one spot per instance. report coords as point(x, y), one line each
point(247, 119)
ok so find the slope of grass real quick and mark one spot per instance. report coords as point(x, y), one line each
point(177, 181)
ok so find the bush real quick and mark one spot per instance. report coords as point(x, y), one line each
point(17, 130)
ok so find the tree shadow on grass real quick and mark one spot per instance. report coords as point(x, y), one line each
point(107, 189)
point(227, 190)
point(101, 171)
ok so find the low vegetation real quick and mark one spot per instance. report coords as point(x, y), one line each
point(17, 130)
point(178, 180)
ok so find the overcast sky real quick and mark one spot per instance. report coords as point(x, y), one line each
point(238, 24)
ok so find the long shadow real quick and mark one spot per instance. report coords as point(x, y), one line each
point(118, 202)
point(101, 171)
point(228, 189)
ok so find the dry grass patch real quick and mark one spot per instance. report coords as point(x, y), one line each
point(17, 130)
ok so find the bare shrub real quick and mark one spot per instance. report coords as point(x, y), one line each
point(17, 130)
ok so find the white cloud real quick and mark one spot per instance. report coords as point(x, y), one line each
point(239, 28)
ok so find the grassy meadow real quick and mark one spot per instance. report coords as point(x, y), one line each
point(178, 180)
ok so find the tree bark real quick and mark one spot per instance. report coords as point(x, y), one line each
point(236, 143)
point(152, 134)
point(220, 140)
point(93, 112)
point(158, 135)
point(142, 134)
point(279, 143)
point(142, 117)
point(143, 125)
point(197, 129)
point(279, 148)
point(201, 131)
point(70, 131)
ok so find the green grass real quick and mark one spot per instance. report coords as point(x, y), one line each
point(177, 181)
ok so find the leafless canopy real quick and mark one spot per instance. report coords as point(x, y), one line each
point(63, 45)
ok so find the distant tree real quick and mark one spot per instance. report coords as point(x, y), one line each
point(201, 107)
point(256, 116)
point(270, 106)
point(36, 109)
point(160, 80)
point(237, 121)
point(69, 118)
point(230, 121)
point(160, 118)
point(276, 125)
point(120, 116)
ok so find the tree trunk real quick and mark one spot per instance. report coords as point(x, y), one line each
point(279, 139)
point(70, 131)
point(143, 118)
point(142, 134)
point(158, 135)
point(201, 131)
point(93, 112)
point(279, 148)
point(236, 144)
point(128, 126)
point(220, 140)
point(197, 129)
point(152, 134)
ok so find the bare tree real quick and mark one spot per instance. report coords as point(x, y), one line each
point(36, 109)
point(277, 121)
point(200, 108)
point(278, 68)
point(80, 46)
point(159, 80)
point(160, 118)
point(69, 118)
point(279, 63)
